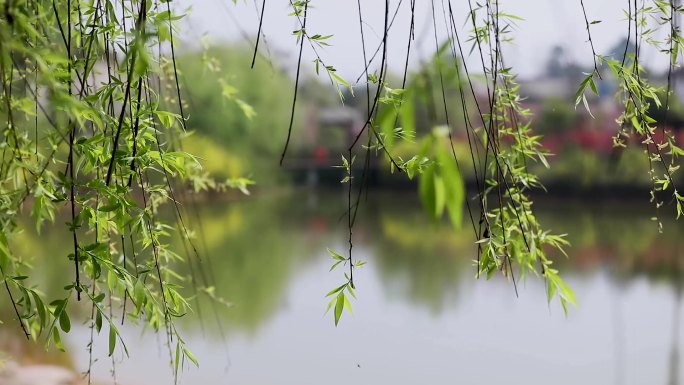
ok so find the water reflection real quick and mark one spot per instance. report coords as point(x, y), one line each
point(266, 256)
point(252, 253)
point(420, 261)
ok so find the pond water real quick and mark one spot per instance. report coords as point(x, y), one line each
point(421, 315)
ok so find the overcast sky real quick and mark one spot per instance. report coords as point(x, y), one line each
point(546, 23)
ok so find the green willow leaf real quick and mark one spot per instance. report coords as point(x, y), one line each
point(112, 338)
point(339, 306)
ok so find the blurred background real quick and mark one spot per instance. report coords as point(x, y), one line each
point(421, 315)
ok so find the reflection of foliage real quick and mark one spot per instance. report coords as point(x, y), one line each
point(627, 240)
point(253, 250)
point(426, 261)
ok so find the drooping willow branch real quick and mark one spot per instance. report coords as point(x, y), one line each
point(500, 142)
point(96, 142)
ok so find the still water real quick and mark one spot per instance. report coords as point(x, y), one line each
point(421, 316)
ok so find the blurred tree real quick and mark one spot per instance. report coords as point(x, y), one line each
point(238, 108)
point(558, 62)
point(623, 47)
point(556, 116)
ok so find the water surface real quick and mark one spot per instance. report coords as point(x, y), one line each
point(421, 315)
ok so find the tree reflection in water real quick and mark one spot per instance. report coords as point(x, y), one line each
point(255, 250)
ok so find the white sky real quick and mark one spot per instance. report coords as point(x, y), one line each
point(547, 23)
